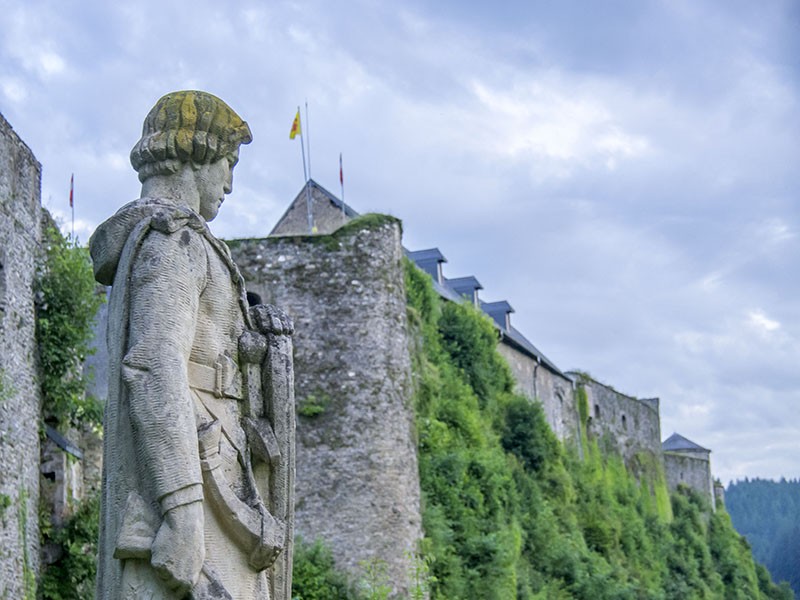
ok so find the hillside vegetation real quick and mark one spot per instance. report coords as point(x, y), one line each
point(767, 513)
point(509, 512)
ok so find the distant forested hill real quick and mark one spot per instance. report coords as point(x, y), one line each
point(767, 513)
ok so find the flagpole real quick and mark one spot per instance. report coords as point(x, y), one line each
point(341, 182)
point(308, 131)
point(72, 203)
point(309, 213)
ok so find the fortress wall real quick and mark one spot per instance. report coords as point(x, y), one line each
point(692, 469)
point(20, 402)
point(622, 424)
point(357, 475)
point(553, 390)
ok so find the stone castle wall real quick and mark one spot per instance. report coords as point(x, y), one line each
point(555, 392)
point(692, 469)
point(20, 209)
point(622, 424)
point(357, 475)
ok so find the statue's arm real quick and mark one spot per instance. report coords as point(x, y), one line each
point(167, 277)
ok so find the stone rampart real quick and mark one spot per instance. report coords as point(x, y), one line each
point(622, 424)
point(555, 391)
point(692, 470)
point(357, 474)
point(20, 209)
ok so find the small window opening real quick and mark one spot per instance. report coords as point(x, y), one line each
point(624, 423)
point(596, 411)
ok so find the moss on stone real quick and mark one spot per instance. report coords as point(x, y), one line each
point(313, 405)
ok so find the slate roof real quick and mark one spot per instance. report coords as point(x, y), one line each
point(464, 285)
point(517, 339)
point(63, 442)
point(496, 308)
point(678, 443)
point(429, 254)
point(349, 212)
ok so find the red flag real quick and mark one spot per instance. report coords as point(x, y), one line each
point(71, 188)
point(341, 173)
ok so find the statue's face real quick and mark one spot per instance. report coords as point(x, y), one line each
point(214, 180)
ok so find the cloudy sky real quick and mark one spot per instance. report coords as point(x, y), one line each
point(624, 173)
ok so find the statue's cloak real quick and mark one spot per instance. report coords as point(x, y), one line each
point(136, 474)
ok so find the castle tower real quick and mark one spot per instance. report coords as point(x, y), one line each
point(357, 476)
point(20, 418)
point(689, 464)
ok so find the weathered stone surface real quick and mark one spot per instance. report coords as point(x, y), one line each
point(691, 467)
point(623, 424)
point(555, 392)
point(20, 181)
point(357, 473)
point(198, 466)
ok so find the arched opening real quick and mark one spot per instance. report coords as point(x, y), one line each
point(596, 411)
point(624, 423)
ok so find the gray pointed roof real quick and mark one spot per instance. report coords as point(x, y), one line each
point(678, 443)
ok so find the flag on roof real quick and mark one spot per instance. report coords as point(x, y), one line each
point(295, 126)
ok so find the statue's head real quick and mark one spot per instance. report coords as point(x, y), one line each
point(187, 127)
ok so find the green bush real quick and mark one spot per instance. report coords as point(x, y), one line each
point(314, 576)
point(65, 310)
point(72, 576)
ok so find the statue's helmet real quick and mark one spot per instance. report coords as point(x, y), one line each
point(187, 126)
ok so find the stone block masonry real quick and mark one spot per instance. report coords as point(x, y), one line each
point(555, 392)
point(20, 208)
point(622, 424)
point(357, 474)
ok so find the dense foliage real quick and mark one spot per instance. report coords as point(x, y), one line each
point(314, 576)
point(65, 310)
point(72, 576)
point(508, 512)
point(66, 305)
point(767, 513)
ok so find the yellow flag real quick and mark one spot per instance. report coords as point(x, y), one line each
point(295, 126)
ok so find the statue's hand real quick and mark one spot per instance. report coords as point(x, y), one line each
point(271, 320)
point(178, 549)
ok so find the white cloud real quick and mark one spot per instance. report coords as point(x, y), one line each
point(554, 120)
point(760, 321)
point(14, 90)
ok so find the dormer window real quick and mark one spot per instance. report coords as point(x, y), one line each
point(466, 287)
point(429, 261)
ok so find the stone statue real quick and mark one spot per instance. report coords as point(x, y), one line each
point(198, 469)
